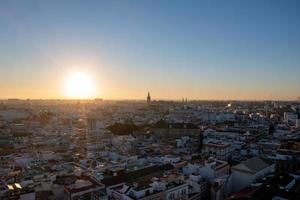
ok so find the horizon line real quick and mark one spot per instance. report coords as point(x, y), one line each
point(140, 99)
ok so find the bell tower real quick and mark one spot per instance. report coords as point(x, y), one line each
point(148, 99)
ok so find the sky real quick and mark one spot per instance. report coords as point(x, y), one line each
point(233, 49)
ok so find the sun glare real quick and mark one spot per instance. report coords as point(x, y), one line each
point(79, 86)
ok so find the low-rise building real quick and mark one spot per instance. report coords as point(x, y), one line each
point(248, 171)
point(85, 189)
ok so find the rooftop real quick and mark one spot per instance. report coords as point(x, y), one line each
point(252, 165)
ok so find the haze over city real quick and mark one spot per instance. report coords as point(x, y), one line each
point(244, 50)
point(149, 100)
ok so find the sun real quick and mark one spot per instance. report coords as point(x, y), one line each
point(79, 85)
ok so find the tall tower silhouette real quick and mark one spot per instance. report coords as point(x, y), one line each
point(148, 98)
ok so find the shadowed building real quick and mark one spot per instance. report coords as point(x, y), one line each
point(287, 158)
point(165, 130)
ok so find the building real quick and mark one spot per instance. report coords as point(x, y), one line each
point(278, 187)
point(85, 189)
point(166, 130)
point(209, 169)
point(142, 190)
point(177, 189)
point(91, 124)
point(214, 168)
point(198, 186)
point(155, 170)
point(287, 158)
point(217, 148)
point(166, 187)
point(290, 117)
point(248, 171)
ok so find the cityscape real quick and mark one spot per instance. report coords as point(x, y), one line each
point(149, 100)
point(98, 149)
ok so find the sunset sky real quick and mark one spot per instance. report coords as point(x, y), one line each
point(247, 50)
